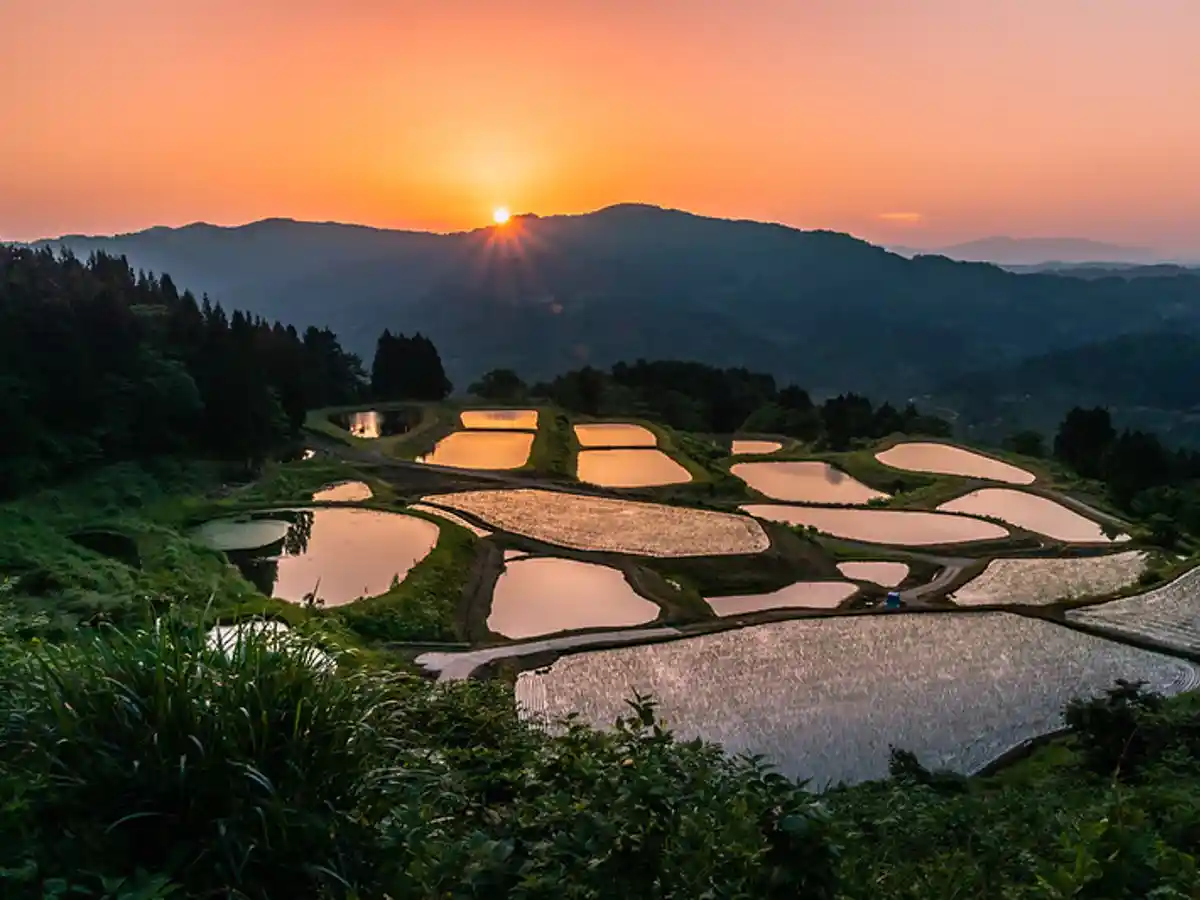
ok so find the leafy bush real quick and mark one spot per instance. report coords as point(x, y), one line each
point(1116, 733)
point(135, 764)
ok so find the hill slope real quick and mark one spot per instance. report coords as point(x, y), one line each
point(545, 294)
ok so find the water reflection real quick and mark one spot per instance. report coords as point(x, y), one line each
point(371, 423)
point(805, 482)
point(335, 556)
point(629, 468)
point(481, 450)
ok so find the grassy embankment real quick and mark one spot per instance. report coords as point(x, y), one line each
point(141, 519)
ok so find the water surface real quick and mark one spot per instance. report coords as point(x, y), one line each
point(341, 554)
point(885, 574)
point(944, 459)
point(629, 468)
point(904, 528)
point(1031, 512)
point(824, 698)
point(371, 423)
point(344, 492)
point(614, 434)
point(805, 482)
point(241, 534)
point(481, 450)
point(542, 595)
point(515, 419)
point(802, 594)
point(748, 448)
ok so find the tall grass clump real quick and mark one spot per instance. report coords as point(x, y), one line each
point(248, 773)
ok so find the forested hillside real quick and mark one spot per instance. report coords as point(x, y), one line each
point(544, 295)
point(99, 364)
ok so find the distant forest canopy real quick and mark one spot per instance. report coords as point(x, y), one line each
point(101, 364)
point(1149, 381)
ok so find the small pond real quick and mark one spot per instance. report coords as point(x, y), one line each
point(614, 434)
point(904, 528)
point(944, 459)
point(749, 448)
point(542, 595)
point(1031, 512)
point(340, 554)
point(629, 468)
point(805, 482)
point(824, 698)
point(802, 594)
point(370, 423)
point(481, 450)
point(885, 574)
point(242, 534)
point(343, 492)
point(500, 419)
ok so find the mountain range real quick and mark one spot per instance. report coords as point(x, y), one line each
point(1010, 251)
point(542, 295)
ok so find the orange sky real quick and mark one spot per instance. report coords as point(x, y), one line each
point(906, 121)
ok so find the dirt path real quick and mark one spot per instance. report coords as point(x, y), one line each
point(459, 666)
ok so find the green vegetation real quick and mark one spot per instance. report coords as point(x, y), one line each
point(555, 446)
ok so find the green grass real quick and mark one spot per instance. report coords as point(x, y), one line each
point(555, 446)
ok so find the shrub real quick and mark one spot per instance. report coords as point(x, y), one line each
point(1115, 732)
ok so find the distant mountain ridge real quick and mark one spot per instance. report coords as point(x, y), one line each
point(1010, 251)
point(544, 295)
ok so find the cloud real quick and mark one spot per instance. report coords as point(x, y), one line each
point(902, 218)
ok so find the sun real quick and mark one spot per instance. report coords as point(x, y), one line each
point(500, 215)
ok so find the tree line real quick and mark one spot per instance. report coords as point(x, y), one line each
point(101, 364)
point(693, 396)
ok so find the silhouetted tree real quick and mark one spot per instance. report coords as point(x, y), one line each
point(499, 384)
point(1083, 438)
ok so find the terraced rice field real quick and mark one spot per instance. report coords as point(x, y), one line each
point(451, 517)
point(1043, 581)
point(618, 526)
point(802, 595)
point(481, 450)
point(749, 448)
point(805, 482)
point(823, 699)
point(905, 528)
point(351, 553)
point(274, 635)
point(1169, 616)
point(614, 434)
point(1031, 512)
point(944, 459)
point(234, 534)
point(514, 419)
point(629, 468)
point(885, 574)
point(343, 492)
point(535, 597)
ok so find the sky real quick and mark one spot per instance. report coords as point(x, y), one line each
point(915, 122)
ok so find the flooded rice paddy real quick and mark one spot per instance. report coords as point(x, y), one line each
point(343, 492)
point(629, 468)
point(1031, 512)
point(884, 574)
point(481, 450)
point(805, 482)
point(943, 459)
point(613, 434)
point(371, 423)
point(340, 555)
point(500, 419)
point(748, 448)
point(824, 698)
point(1169, 616)
point(905, 528)
point(241, 534)
point(802, 594)
point(534, 597)
point(450, 517)
point(1042, 581)
point(618, 526)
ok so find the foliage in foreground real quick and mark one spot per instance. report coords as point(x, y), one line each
point(144, 757)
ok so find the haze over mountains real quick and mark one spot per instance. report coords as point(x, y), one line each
point(542, 295)
point(1010, 251)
